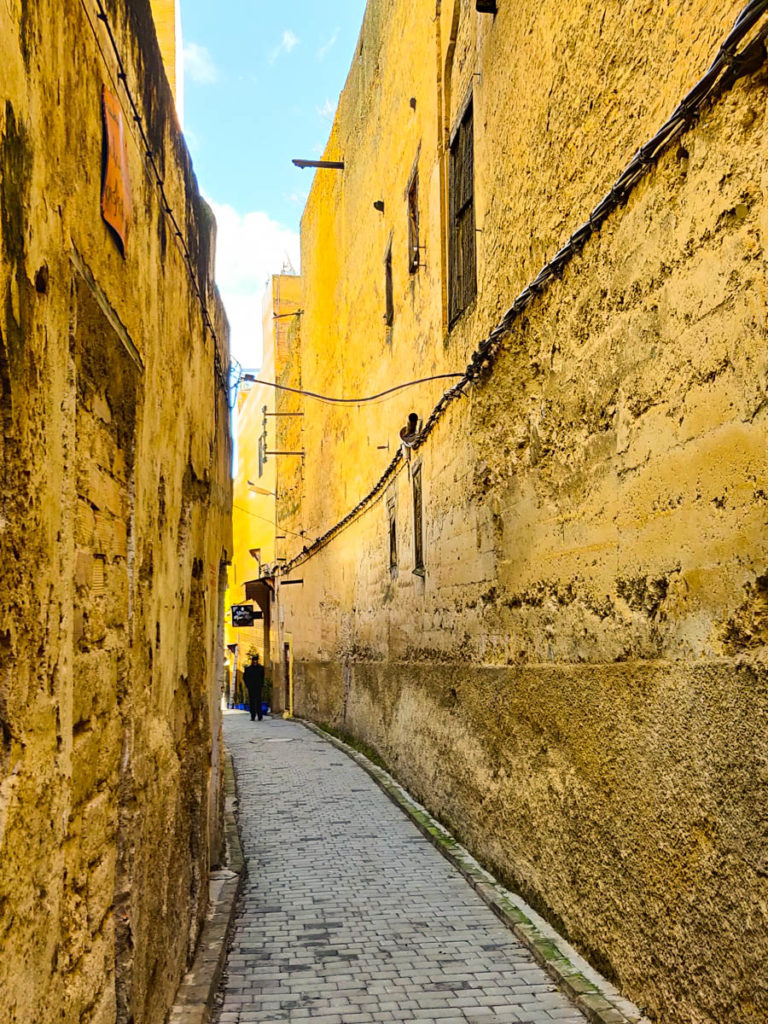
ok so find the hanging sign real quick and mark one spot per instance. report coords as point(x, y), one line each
point(116, 205)
point(244, 615)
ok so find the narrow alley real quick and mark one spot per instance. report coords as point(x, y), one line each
point(349, 915)
point(395, 370)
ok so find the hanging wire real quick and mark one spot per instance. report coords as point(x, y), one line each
point(347, 401)
point(248, 512)
point(235, 376)
point(727, 67)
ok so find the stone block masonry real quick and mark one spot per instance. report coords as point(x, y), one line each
point(114, 523)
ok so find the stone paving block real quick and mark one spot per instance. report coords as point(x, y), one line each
point(348, 914)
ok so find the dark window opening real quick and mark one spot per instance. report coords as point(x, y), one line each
point(462, 257)
point(392, 537)
point(413, 224)
point(389, 314)
point(418, 523)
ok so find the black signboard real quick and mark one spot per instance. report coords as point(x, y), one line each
point(243, 615)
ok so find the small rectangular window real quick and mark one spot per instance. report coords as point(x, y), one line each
point(392, 536)
point(462, 283)
point(418, 523)
point(389, 314)
point(413, 223)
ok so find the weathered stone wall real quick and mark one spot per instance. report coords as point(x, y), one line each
point(577, 685)
point(114, 506)
point(166, 16)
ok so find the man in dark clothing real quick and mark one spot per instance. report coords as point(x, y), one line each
point(253, 677)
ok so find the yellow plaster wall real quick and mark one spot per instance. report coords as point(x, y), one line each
point(577, 685)
point(114, 524)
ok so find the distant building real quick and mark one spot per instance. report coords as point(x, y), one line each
point(259, 537)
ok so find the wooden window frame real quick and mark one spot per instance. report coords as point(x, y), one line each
point(462, 243)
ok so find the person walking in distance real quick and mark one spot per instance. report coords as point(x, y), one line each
point(253, 677)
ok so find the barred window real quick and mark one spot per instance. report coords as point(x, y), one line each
point(413, 223)
point(392, 517)
point(263, 441)
point(418, 523)
point(462, 283)
point(389, 314)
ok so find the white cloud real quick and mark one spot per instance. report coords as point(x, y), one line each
point(198, 64)
point(194, 143)
point(249, 248)
point(327, 110)
point(289, 42)
point(327, 46)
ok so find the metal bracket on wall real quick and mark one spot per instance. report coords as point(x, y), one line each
point(334, 165)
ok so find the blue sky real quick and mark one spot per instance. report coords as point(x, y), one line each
point(261, 83)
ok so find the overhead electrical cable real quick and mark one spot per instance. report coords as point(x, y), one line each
point(264, 519)
point(727, 67)
point(348, 401)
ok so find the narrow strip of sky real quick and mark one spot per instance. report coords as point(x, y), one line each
point(261, 85)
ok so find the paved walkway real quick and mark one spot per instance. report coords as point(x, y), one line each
point(349, 915)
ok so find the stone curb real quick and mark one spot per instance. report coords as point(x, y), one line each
point(596, 998)
point(194, 999)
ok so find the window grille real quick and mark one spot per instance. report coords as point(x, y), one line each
point(389, 314)
point(392, 536)
point(418, 523)
point(462, 283)
point(413, 223)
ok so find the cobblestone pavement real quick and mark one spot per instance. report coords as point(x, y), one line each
point(348, 914)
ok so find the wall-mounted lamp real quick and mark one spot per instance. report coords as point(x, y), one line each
point(379, 205)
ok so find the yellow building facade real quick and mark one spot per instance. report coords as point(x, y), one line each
point(548, 615)
point(115, 505)
point(258, 538)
